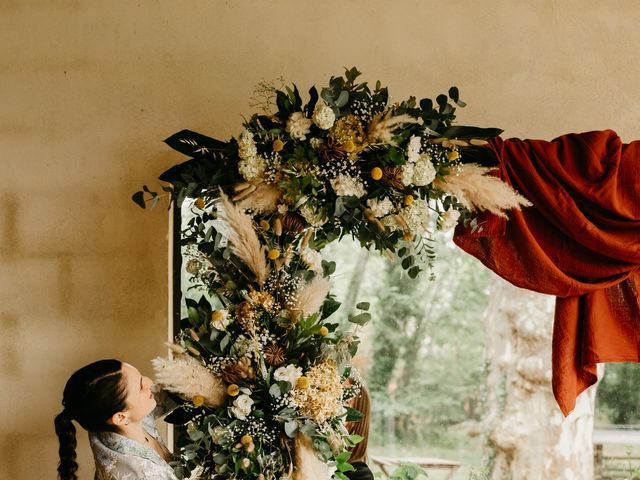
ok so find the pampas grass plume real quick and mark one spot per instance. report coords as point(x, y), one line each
point(312, 295)
point(476, 190)
point(187, 377)
point(243, 238)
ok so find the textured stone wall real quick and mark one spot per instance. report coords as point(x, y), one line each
point(88, 89)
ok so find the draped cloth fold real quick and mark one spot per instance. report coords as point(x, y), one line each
point(580, 242)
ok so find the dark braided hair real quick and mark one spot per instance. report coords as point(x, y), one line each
point(91, 397)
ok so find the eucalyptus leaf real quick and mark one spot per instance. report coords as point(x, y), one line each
point(290, 428)
point(360, 319)
point(343, 98)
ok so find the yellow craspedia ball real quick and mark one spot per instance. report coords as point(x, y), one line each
point(302, 383)
point(246, 440)
point(408, 199)
point(451, 156)
point(198, 401)
point(278, 145)
point(273, 254)
point(199, 203)
point(408, 236)
point(264, 225)
point(324, 331)
point(349, 146)
point(233, 390)
point(217, 316)
point(376, 173)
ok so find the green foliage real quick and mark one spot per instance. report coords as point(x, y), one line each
point(428, 370)
point(618, 393)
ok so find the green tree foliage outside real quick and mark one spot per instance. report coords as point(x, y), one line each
point(424, 352)
point(618, 397)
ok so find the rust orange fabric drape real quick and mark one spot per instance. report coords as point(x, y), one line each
point(580, 241)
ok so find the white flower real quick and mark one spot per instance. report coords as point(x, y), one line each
point(423, 171)
point(332, 468)
point(448, 219)
point(417, 216)
point(413, 149)
point(391, 222)
point(290, 374)
point(344, 185)
point(298, 126)
point(407, 174)
point(220, 320)
point(246, 146)
point(312, 259)
point(311, 215)
point(323, 116)
point(242, 406)
point(283, 209)
point(316, 143)
point(380, 208)
point(252, 167)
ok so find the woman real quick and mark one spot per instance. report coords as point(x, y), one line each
point(112, 401)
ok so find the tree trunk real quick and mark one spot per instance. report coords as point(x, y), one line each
point(527, 435)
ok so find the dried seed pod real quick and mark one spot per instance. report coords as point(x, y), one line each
point(277, 226)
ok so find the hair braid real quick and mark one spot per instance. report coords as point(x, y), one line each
point(66, 432)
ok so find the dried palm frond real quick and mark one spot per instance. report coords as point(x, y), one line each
point(381, 127)
point(261, 199)
point(311, 296)
point(475, 189)
point(187, 377)
point(308, 465)
point(274, 355)
point(331, 151)
point(240, 371)
point(392, 176)
point(243, 238)
point(292, 223)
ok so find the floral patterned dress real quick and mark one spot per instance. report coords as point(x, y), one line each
point(120, 458)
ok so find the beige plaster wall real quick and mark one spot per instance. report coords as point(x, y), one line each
point(88, 90)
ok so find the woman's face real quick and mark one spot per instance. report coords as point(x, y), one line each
point(140, 401)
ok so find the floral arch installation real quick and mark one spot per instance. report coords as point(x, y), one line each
point(260, 375)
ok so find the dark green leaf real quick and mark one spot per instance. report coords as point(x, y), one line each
point(360, 319)
point(138, 198)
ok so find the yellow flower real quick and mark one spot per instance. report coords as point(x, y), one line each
point(246, 440)
point(376, 173)
point(349, 146)
point(273, 254)
point(199, 203)
point(217, 316)
point(233, 390)
point(408, 200)
point(324, 331)
point(264, 225)
point(451, 156)
point(198, 401)
point(303, 382)
point(278, 145)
